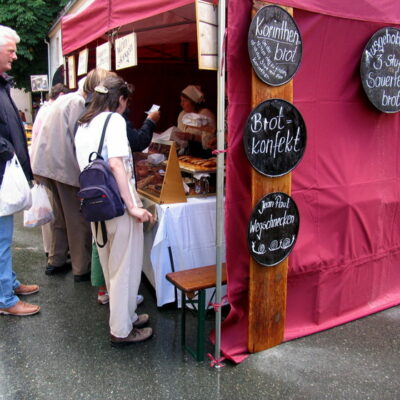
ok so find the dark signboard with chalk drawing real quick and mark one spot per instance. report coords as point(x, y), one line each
point(273, 229)
point(380, 69)
point(275, 45)
point(275, 137)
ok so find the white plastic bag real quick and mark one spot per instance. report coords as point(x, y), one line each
point(15, 193)
point(41, 212)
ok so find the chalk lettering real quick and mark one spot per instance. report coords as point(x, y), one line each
point(391, 100)
point(283, 54)
point(263, 124)
point(383, 81)
point(392, 61)
point(275, 45)
point(279, 144)
point(282, 32)
point(258, 227)
point(380, 69)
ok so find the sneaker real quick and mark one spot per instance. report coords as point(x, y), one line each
point(136, 336)
point(104, 298)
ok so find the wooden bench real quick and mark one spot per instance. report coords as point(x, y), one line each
point(190, 281)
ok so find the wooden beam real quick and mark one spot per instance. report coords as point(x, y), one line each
point(267, 285)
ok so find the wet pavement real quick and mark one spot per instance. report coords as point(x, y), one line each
point(64, 352)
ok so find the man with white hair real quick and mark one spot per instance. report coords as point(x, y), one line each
point(12, 140)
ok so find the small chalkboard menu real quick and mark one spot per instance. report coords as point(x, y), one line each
point(274, 45)
point(380, 69)
point(275, 137)
point(273, 229)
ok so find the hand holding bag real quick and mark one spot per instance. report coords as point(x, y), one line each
point(15, 193)
point(41, 211)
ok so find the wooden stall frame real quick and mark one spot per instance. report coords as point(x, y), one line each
point(267, 285)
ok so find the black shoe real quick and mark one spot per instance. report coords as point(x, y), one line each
point(53, 270)
point(82, 278)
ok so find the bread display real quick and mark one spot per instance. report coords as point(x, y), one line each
point(197, 164)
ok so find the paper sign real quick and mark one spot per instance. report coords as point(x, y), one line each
point(71, 72)
point(103, 56)
point(207, 34)
point(39, 83)
point(83, 62)
point(154, 107)
point(126, 51)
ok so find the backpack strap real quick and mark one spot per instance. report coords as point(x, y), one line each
point(103, 233)
point(103, 134)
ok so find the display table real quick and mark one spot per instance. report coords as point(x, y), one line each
point(187, 232)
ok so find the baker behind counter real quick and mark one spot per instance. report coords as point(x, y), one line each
point(196, 124)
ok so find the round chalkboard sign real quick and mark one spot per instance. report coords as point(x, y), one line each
point(274, 44)
point(273, 229)
point(380, 69)
point(275, 137)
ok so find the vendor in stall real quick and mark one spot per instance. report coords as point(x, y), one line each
point(196, 123)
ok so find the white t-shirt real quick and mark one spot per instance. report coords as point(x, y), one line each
point(87, 139)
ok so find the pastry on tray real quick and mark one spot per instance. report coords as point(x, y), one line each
point(198, 164)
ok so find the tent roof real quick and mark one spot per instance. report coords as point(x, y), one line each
point(173, 20)
point(162, 21)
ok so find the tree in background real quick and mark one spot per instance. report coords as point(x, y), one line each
point(32, 19)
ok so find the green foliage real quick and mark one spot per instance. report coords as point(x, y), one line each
point(32, 19)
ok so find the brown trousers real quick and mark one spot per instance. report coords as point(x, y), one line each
point(69, 229)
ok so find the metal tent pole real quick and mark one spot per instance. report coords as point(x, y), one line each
point(220, 171)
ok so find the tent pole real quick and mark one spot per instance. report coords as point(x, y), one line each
point(220, 172)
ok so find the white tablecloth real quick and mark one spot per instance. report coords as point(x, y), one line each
point(189, 230)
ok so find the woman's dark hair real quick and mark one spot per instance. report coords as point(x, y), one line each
point(106, 97)
point(56, 90)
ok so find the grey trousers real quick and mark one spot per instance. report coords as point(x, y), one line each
point(69, 229)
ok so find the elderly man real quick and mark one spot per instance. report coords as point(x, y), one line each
point(12, 140)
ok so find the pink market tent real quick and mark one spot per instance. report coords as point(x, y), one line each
point(346, 261)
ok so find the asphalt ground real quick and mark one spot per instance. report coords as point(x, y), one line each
point(64, 351)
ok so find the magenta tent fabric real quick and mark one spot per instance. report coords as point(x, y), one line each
point(103, 15)
point(346, 261)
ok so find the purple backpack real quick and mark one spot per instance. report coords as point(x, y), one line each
point(99, 193)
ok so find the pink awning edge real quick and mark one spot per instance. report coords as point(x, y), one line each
point(86, 26)
point(102, 15)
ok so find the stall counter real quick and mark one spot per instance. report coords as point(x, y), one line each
point(186, 231)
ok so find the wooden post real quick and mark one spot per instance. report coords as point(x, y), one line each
point(267, 285)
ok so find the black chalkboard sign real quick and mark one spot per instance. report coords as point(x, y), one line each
point(274, 45)
point(380, 69)
point(275, 137)
point(273, 229)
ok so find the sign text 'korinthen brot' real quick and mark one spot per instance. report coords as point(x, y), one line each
point(274, 45)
